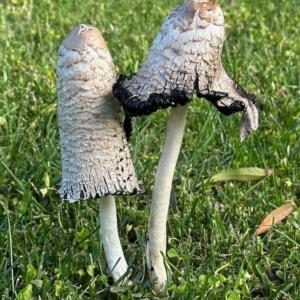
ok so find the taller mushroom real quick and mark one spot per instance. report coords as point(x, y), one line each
point(185, 58)
point(96, 161)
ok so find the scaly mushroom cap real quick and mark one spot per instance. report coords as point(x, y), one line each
point(186, 56)
point(95, 156)
point(188, 44)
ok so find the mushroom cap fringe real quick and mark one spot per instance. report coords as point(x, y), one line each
point(95, 157)
point(186, 57)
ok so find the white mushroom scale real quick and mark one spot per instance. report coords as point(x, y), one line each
point(185, 58)
point(96, 162)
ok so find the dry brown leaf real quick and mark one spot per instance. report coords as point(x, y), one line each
point(275, 217)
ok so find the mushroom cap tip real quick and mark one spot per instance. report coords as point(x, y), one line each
point(84, 35)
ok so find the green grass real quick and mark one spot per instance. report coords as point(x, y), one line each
point(50, 250)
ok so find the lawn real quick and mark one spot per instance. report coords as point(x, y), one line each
point(51, 250)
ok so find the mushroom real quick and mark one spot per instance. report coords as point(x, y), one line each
point(96, 162)
point(185, 58)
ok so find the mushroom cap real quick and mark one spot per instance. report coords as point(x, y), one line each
point(186, 56)
point(189, 44)
point(95, 157)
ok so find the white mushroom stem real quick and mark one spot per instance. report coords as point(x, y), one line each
point(156, 247)
point(110, 238)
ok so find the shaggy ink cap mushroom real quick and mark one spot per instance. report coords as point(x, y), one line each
point(186, 57)
point(96, 161)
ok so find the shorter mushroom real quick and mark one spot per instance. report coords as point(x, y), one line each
point(96, 162)
point(185, 57)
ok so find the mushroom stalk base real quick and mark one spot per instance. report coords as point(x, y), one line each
point(110, 238)
point(156, 247)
